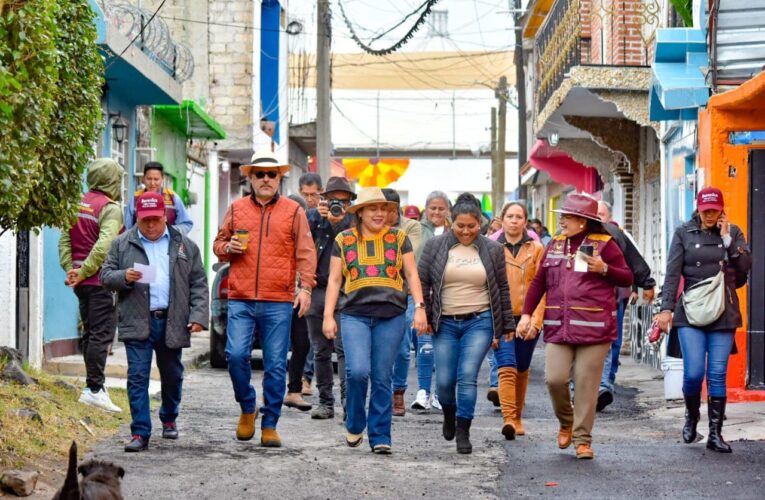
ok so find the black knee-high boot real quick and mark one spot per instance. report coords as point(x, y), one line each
point(449, 427)
point(463, 436)
point(692, 416)
point(716, 414)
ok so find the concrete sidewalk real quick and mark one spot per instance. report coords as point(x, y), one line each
point(745, 421)
point(116, 364)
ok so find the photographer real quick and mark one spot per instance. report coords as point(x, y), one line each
point(326, 221)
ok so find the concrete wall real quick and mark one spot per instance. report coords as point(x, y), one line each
point(8, 289)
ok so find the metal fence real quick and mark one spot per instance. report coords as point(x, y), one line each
point(640, 319)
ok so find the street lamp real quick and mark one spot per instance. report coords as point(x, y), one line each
point(119, 129)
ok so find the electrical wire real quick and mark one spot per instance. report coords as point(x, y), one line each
point(393, 48)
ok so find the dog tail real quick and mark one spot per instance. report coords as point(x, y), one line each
point(71, 488)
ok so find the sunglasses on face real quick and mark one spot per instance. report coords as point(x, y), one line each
point(270, 173)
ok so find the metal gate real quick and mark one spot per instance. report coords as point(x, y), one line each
point(756, 308)
point(22, 293)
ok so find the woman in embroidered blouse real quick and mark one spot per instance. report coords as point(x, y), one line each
point(374, 264)
point(468, 302)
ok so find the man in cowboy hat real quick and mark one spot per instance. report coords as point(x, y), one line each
point(267, 240)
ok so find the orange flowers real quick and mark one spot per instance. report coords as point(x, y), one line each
point(354, 273)
point(390, 238)
point(391, 271)
point(349, 240)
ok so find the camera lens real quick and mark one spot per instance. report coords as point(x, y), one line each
point(336, 208)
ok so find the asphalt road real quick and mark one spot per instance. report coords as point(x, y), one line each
point(636, 457)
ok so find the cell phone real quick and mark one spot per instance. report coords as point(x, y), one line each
point(588, 250)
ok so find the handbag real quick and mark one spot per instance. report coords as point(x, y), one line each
point(704, 302)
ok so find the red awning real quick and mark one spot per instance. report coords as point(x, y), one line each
point(564, 169)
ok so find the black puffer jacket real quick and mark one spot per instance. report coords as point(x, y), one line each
point(431, 270)
point(695, 254)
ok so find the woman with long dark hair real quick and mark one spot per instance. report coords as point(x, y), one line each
point(580, 270)
point(468, 302)
point(701, 248)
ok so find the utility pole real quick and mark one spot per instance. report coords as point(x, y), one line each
point(494, 160)
point(499, 194)
point(323, 123)
point(520, 88)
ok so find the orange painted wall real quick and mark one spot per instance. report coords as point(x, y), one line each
point(742, 109)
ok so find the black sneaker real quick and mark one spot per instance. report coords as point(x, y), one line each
point(169, 430)
point(605, 398)
point(136, 444)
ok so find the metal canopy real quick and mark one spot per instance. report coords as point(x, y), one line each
point(191, 120)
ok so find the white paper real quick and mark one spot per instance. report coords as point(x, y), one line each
point(580, 264)
point(149, 273)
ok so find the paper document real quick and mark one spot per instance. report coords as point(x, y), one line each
point(580, 263)
point(149, 273)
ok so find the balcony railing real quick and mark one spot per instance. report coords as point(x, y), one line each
point(154, 38)
point(575, 34)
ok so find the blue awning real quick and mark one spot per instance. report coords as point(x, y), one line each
point(678, 88)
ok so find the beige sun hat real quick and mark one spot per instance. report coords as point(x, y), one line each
point(370, 196)
point(264, 159)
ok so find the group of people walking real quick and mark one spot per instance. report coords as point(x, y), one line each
point(353, 275)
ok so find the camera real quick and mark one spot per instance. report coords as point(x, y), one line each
point(336, 208)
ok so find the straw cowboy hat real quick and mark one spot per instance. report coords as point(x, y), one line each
point(264, 160)
point(581, 205)
point(371, 196)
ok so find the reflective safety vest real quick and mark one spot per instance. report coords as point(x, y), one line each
point(84, 234)
point(581, 306)
point(169, 196)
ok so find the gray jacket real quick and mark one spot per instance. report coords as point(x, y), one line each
point(695, 255)
point(431, 269)
point(189, 296)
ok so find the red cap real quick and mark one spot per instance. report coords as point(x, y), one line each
point(150, 204)
point(709, 198)
point(412, 212)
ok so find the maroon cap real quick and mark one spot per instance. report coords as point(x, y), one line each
point(581, 205)
point(150, 204)
point(412, 212)
point(709, 198)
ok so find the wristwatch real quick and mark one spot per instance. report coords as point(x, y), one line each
point(419, 305)
point(605, 270)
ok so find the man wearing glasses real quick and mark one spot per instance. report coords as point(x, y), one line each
point(267, 240)
point(310, 189)
point(326, 221)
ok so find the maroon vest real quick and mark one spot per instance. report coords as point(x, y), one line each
point(85, 233)
point(581, 307)
point(169, 196)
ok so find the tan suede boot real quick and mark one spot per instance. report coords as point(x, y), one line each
point(246, 428)
point(522, 383)
point(399, 408)
point(507, 397)
point(270, 438)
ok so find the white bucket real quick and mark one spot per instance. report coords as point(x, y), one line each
point(673, 377)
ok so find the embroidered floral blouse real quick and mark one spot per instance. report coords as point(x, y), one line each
point(373, 281)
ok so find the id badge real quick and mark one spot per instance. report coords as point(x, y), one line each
point(580, 264)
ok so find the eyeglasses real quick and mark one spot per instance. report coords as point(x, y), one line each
point(310, 195)
point(270, 173)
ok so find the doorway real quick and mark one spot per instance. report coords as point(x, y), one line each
point(756, 309)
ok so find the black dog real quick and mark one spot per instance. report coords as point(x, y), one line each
point(100, 481)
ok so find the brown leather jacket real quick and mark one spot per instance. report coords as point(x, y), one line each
point(520, 271)
point(279, 246)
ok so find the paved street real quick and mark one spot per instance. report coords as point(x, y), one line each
point(635, 456)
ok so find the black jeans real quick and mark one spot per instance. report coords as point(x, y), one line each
point(322, 351)
point(300, 346)
point(99, 320)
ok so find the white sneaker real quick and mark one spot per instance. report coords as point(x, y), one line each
point(422, 402)
point(99, 399)
point(434, 402)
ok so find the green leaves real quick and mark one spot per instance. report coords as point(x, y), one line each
point(684, 9)
point(50, 86)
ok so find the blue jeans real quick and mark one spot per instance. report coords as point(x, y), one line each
point(611, 365)
point(705, 351)
point(425, 362)
point(139, 354)
point(308, 366)
point(273, 321)
point(460, 347)
point(493, 369)
point(515, 354)
point(404, 356)
point(370, 346)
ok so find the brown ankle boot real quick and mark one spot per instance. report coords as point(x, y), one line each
point(522, 383)
point(269, 438)
point(507, 400)
point(399, 408)
point(246, 428)
point(564, 437)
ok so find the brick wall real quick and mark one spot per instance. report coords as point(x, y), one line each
point(619, 25)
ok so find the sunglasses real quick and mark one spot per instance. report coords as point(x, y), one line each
point(270, 173)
